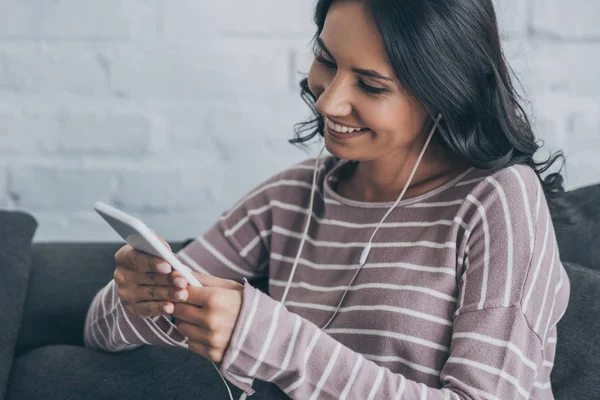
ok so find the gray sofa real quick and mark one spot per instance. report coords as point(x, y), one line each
point(46, 288)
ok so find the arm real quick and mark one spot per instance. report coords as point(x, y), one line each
point(233, 248)
point(497, 347)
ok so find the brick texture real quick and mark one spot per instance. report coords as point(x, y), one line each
point(172, 110)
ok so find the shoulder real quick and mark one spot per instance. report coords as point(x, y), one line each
point(502, 192)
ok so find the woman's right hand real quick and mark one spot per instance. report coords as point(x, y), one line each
point(146, 284)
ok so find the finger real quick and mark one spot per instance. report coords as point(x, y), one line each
point(151, 279)
point(142, 262)
point(154, 293)
point(214, 354)
point(193, 332)
point(145, 309)
point(193, 315)
point(212, 281)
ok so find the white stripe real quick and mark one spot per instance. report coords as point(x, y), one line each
point(283, 182)
point(327, 372)
point(464, 183)
point(480, 392)
point(541, 385)
point(245, 330)
point(243, 379)
point(159, 333)
point(509, 232)
point(106, 343)
point(437, 204)
point(423, 391)
point(412, 365)
point(322, 243)
point(379, 307)
point(539, 193)
point(191, 263)
point(352, 379)
point(434, 293)
point(288, 355)
point(486, 253)
point(376, 384)
point(552, 339)
point(346, 267)
point(250, 246)
point(547, 364)
point(110, 342)
point(131, 326)
point(499, 343)
point(307, 355)
point(267, 341)
point(492, 370)
point(322, 221)
point(556, 290)
point(222, 258)
point(116, 320)
point(526, 204)
point(464, 286)
point(332, 201)
point(401, 387)
point(537, 268)
point(539, 318)
point(388, 334)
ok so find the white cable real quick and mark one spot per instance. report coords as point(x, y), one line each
point(308, 219)
point(367, 249)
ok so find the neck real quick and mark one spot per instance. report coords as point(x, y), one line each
point(383, 179)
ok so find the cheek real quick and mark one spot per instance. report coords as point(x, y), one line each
point(393, 119)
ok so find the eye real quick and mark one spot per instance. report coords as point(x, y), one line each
point(369, 89)
point(327, 63)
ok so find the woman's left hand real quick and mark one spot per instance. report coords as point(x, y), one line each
point(209, 314)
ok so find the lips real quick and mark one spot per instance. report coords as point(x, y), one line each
point(345, 136)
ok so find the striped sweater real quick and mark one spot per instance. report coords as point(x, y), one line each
point(459, 298)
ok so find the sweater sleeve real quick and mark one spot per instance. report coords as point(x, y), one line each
point(236, 247)
point(499, 331)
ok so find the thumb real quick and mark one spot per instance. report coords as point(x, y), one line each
point(211, 280)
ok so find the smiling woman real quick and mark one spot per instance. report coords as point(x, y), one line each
point(419, 260)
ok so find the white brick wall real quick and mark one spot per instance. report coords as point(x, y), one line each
point(172, 110)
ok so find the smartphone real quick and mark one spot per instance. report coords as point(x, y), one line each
point(142, 239)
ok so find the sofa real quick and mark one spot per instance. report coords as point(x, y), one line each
point(46, 289)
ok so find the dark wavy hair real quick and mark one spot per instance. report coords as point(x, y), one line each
point(448, 56)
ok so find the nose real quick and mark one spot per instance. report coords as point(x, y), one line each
point(335, 100)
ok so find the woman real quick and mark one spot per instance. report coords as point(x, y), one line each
point(418, 261)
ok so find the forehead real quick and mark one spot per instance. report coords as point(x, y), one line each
point(352, 36)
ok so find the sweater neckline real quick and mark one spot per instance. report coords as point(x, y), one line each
point(332, 177)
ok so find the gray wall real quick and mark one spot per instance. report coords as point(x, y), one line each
point(172, 110)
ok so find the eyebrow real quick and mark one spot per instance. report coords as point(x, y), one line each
point(367, 72)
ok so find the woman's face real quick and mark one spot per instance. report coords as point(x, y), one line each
point(356, 87)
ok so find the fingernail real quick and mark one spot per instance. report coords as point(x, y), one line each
point(163, 268)
point(181, 295)
point(168, 309)
point(180, 282)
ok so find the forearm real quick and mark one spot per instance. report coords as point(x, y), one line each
point(110, 327)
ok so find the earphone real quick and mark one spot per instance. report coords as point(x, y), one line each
point(365, 253)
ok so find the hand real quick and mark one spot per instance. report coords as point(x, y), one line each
point(146, 284)
point(209, 315)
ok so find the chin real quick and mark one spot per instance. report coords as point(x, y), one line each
point(343, 151)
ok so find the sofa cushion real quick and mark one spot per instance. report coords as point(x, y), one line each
point(149, 372)
point(578, 234)
point(16, 233)
point(577, 361)
point(70, 274)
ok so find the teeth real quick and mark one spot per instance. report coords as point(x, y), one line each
point(340, 128)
